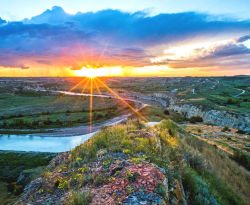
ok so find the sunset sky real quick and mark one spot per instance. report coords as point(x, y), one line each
point(124, 38)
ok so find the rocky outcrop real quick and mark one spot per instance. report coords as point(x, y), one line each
point(216, 117)
point(221, 118)
point(122, 180)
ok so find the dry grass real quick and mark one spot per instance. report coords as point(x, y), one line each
point(236, 177)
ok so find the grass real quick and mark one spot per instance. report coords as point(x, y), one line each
point(219, 185)
point(219, 97)
point(210, 93)
point(17, 104)
point(79, 198)
point(49, 111)
point(233, 178)
point(57, 120)
point(209, 176)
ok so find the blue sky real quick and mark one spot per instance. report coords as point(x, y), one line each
point(19, 9)
point(165, 37)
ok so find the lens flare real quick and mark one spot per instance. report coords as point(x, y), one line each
point(92, 81)
point(91, 105)
point(120, 98)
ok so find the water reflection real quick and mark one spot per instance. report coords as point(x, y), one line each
point(41, 144)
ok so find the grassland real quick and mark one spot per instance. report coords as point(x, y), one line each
point(221, 93)
point(47, 111)
point(208, 174)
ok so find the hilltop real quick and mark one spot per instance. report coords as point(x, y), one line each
point(133, 163)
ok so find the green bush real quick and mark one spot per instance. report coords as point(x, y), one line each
point(230, 101)
point(195, 119)
point(166, 112)
point(241, 132)
point(225, 129)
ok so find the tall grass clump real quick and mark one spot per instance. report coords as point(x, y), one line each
point(79, 198)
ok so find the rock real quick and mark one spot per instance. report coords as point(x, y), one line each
point(101, 153)
point(220, 118)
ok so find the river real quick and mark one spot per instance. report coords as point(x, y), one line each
point(60, 142)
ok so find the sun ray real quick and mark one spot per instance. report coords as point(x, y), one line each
point(83, 89)
point(85, 86)
point(78, 84)
point(70, 90)
point(98, 89)
point(119, 97)
point(91, 105)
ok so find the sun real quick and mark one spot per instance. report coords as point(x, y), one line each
point(91, 72)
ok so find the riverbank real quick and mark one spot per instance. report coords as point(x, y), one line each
point(60, 140)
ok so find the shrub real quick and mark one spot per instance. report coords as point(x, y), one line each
point(99, 179)
point(80, 198)
point(195, 119)
point(59, 122)
point(47, 121)
point(170, 132)
point(35, 124)
point(45, 113)
point(17, 189)
point(196, 162)
point(230, 101)
point(226, 129)
point(132, 177)
point(97, 116)
point(166, 112)
point(241, 132)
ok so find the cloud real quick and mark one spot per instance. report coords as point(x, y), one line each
point(231, 54)
point(112, 37)
point(2, 21)
point(139, 28)
point(243, 38)
point(228, 50)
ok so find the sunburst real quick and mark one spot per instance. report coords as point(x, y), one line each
point(93, 82)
